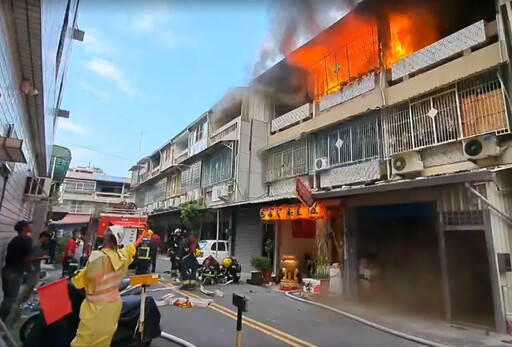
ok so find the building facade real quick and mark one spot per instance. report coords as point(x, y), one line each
point(35, 52)
point(400, 126)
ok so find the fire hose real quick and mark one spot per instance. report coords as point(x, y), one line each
point(176, 340)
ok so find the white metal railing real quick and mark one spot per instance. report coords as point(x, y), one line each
point(469, 108)
point(290, 118)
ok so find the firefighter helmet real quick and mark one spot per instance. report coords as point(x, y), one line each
point(118, 232)
point(227, 262)
point(149, 233)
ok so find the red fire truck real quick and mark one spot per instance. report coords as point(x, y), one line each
point(126, 215)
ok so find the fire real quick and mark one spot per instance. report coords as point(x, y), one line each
point(409, 32)
point(350, 48)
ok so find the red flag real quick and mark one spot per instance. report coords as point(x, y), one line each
point(55, 302)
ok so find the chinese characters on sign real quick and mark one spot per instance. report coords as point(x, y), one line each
point(292, 212)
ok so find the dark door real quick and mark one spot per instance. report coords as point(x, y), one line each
point(469, 277)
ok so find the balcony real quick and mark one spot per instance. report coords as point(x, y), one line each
point(97, 197)
point(181, 156)
point(293, 117)
point(228, 132)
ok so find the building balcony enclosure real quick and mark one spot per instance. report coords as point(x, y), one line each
point(346, 78)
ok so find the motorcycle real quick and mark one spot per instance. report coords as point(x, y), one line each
point(36, 333)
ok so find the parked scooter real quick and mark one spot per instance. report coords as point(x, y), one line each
point(36, 333)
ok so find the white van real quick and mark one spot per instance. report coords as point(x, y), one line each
point(210, 247)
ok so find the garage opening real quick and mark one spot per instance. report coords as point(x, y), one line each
point(398, 257)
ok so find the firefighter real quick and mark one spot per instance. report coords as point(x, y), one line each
point(187, 259)
point(144, 253)
point(232, 269)
point(173, 249)
point(101, 277)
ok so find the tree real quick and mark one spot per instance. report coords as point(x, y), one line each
point(191, 216)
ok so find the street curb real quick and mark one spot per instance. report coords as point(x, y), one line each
point(368, 323)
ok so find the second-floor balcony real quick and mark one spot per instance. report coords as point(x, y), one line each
point(293, 117)
point(96, 196)
point(181, 156)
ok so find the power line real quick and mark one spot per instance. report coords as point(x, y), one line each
point(97, 151)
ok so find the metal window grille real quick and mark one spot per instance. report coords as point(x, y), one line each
point(191, 178)
point(287, 161)
point(79, 186)
point(460, 218)
point(353, 142)
point(469, 108)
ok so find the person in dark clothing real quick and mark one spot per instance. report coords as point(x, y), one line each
point(174, 243)
point(187, 258)
point(17, 261)
point(52, 248)
point(157, 242)
point(145, 251)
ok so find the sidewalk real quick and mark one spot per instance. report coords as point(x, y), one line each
point(437, 331)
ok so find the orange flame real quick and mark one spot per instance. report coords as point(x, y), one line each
point(350, 48)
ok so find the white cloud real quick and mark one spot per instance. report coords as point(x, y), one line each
point(69, 125)
point(157, 26)
point(96, 42)
point(112, 73)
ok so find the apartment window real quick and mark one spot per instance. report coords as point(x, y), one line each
point(79, 186)
point(287, 161)
point(198, 133)
point(191, 178)
point(351, 143)
point(472, 107)
point(173, 186)
point(218, 168)
point(77, 207)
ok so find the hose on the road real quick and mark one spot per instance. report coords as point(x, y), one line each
point(176, 340)
point(368, 323)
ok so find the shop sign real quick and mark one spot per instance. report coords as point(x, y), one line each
point(292, 212)
point(304, 193)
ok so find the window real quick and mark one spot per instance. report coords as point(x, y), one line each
point(202, 244)
point(79, 186)
point(351, 143)
point(198, 133)
point(172, 186)
point(77, 207)
point(287, 161)
point(218, 168)
point(222, 246)
point(191, 178)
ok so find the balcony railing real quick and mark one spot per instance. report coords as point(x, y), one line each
point(181, 156)
point(291, 118)
point(469, 108)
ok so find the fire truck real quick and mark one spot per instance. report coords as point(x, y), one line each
point(124, 214)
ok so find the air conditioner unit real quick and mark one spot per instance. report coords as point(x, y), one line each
point(216, 192)
point(37, 187)
point(224, 191)
point(406, 163)
point(481, 147)
point(321, 164)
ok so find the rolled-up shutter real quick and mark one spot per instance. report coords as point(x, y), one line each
point(248, 237)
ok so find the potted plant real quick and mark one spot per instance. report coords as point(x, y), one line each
point(322, 274)
point(263, 265)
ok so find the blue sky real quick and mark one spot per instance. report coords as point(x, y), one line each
point(152, 68)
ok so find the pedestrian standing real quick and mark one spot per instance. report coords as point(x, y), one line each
point(157, 242)
point(100, 278)
point(69, 252)
point(52, 248)
point(39, 253)
point(17, 261)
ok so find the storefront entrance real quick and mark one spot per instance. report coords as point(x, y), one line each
point(469, 277)
point(398, 257)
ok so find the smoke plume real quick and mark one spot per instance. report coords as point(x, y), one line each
point(294, 22)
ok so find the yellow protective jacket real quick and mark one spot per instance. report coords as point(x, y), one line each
point(101, 309)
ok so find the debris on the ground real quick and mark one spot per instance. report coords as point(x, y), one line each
point(165, 300)
point(206, 292)
point(190, 303)
point(219, 293)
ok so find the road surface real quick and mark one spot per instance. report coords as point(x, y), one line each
point(272, 320)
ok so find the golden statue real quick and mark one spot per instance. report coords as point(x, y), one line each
point(290, 268)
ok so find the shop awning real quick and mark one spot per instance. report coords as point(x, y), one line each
point(264, 200)
point(72, 218)
point(481, 175)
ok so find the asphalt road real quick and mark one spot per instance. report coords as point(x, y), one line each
point(272, 320)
